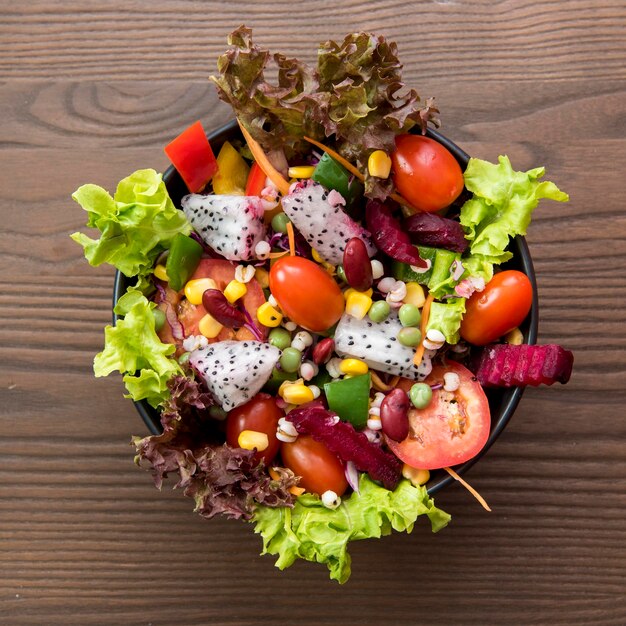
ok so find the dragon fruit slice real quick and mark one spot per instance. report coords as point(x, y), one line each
point(235, 371)
point(231, 225)
point(317, 214)
point(376, 343)
point(505, 365)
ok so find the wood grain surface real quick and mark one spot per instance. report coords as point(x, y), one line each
point(90, 91)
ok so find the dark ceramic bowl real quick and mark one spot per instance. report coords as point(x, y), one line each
point(502, 402)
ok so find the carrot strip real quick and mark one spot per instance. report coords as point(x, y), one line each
point(277, 255)
point(378, 384)
point(419, 353)
point(259, 156)
point(469, 488)
point(337, 157)
point(292, 239)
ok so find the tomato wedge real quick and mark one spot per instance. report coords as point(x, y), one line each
point(452, 429)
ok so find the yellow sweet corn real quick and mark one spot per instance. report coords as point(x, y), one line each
point(235, 290)
point(379, 164)
point(268, 315)
point(301, 171)
point(351, 290)
point(209, 326)
point(295, 392)
point(263, 277)
point(358, 304)
point(415, 295)
point(353, 367)
point(251, 439)
point(160, 273)
point(416, 476)
point(514, 337)
point(195, 288)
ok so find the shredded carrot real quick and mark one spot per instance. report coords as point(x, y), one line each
point(264, 163)
point(292, 239)
point(404, 202)
point(337, 157)
point(419, 353)
point(277, 255)
point(469, 488)
point(378, 384)
point(296, 491)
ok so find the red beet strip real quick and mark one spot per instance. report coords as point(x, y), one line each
point(348, 444)
point(427, 229)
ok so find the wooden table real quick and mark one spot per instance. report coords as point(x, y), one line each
point(91, 91)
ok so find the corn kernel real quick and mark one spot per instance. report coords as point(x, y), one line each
point(316, 256)
point(353, 367)
point(295, 393)
point(514, 337)
point(251, 439)
point(195, 288)
point(358, 304)
point(268, 315)
point(263, 277)
point(414, 295)
point(235, 290)
point(351, 290)
point(301, 171)
point(416, 476)
point(160, 273)
point(209, 326)
point(379, 164)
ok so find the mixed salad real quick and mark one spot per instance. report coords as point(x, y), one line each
point(318, 320)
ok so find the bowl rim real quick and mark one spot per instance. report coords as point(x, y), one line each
point(510, 396)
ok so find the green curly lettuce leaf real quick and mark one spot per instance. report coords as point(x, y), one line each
point(316, 533)
point(135, 225)
point(446, 317)
point(133, 348)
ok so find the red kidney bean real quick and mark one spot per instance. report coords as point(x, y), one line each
point(357, 265)
point(216, 304)
point(323, 350)
point(394, 414)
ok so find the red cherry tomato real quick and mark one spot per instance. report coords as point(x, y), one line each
point(499, 308)
point(452, 429)
point(260, 414)
point(319, 469)
point(425, 173)
point(306, 293)
point(192, 156)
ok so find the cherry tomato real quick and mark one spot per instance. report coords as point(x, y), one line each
point(306, 293)
point(425, 173)
point(260, 414)
point(499, 308)
point(452, 429)
point(319, 469)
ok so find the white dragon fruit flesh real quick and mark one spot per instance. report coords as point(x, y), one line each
point(235, 371)
point(231, 225)
point(376, 343)
point(318, 215)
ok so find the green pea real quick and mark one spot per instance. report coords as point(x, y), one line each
point(280, 338)
point(341, 273)
point(217, 412)
point(279, 223)
point(379, 311)
point(409, 315)
point(159, 319)
point(184, 357)
point(420, 394)
point(410, 336)
point(290, 359)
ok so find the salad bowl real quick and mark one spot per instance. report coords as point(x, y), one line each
point(502, 402)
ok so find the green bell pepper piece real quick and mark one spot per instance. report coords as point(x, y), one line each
point(349, 398)
point(333, 175)
point(440, 259)
point(182, 261)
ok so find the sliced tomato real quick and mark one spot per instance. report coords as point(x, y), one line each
point(256, 180)
point(452, 429)
point(192, 156)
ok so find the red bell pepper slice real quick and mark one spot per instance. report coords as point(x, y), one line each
point(192, 156)
point(256, 180)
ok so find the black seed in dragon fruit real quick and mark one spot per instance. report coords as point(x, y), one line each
point(235, 371)
point(231, 225)
point(319, 216)
point(376, 343)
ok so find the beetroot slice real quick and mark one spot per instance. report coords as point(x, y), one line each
point(348, 444)
point(428, 229)
point(388, 235)
point(504, 365)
